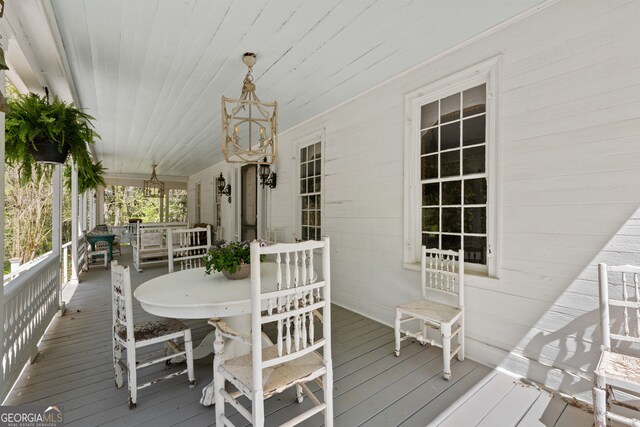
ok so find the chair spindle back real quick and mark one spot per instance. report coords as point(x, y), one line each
point(290, 302)
point(122, 305)
point(626, 299)
point(443, 271)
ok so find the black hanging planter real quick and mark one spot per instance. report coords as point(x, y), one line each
point(47, 152)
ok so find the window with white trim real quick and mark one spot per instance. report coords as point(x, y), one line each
point(198, 202)
point(450, 149)
point(311, 191)
point(218, 202)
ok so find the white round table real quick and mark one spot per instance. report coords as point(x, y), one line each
point(190, 294)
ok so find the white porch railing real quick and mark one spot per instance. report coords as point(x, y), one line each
point(31, 299)
point(24, 267)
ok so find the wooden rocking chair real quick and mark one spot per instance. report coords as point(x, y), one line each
point(442, 273)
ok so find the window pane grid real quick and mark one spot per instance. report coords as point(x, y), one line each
point(453, 164)
point(453, 121)
point(310, 191)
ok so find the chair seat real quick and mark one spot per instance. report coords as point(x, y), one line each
point(620, 367)
point(154, 328)
point(431, 310)
point(276, 378)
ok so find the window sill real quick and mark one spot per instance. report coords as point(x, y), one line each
point(471, 278)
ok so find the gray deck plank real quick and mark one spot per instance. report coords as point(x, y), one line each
point(410, 402)
point(544, 412)
point(431, 410)
point(472, 410)
point(574, 417)
point(510, 410)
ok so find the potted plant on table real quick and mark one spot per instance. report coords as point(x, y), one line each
point(233, 259)
point(39, 132)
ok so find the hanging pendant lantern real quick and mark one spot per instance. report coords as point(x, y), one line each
point(153, 187)
point(249, 126)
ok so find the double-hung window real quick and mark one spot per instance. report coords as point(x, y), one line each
point(198, 202)
point(451, 175)
point(311, 191)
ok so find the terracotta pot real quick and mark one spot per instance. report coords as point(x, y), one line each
point(47, 152)
point(241, 273)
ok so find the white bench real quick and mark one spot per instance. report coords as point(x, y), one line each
point(150, 244)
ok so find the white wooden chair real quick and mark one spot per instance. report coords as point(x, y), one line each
point(115, 246)
point(101, 249)
point(129, 336)
point(187, 247)
point(443, 274)
point(616, 369)
point(294, 359)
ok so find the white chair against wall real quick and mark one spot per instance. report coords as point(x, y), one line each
point(294, 359)
point(101, 250)
point(129, 337)
point(443, 274)
point(616, 369)
point(187, 247)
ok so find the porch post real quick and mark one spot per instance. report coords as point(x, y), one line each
point(162, 209)
point(74, 225)
point(3, 374)
point(83, 211)
point(56, 228)
point(166, 205)
point(56, 221)
point(100, 206)
point(92, 209)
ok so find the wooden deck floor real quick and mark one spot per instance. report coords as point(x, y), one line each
point(372, 387)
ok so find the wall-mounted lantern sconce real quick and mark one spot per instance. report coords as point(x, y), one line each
point(267, 178)
point(223, 187)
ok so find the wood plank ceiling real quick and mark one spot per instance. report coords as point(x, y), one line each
point(152, 71)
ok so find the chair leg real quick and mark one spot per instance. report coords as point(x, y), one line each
point(257, 408)
point(327, 386)
point(424, 341)
point(461, 338)
point(600, 402)
point(397, 331)
point(299, 394)
point(218, 379)
point(117, 357)
point(188, 348)
point(446, 350)
point(132, 377)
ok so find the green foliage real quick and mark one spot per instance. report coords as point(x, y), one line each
point(34, 119)
point(123, 203)
point(89, 178)
point(228, 256)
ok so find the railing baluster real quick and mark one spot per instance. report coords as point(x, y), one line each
point(32, 300)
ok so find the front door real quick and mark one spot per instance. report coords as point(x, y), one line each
point(249, 202)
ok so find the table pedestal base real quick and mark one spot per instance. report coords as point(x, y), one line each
point(229, 349)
